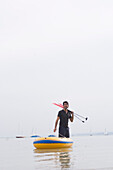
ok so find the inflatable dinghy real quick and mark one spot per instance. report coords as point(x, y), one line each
point(52, 143)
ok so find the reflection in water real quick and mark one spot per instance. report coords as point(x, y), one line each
point(64, 158)
point(53, 158)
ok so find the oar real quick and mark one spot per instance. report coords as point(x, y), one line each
point(75, 114)
point(79, 119)
point(60, 105)
point(86, 118)
point(62, 135)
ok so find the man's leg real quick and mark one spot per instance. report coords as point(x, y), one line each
point(62, 132)
point(67, 133)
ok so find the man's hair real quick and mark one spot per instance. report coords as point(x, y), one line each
point(65, 102)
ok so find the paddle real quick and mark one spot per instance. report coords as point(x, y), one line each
point(75, 114)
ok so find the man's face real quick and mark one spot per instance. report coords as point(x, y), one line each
point(65, 106)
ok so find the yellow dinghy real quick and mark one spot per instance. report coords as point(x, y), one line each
point(52, 143)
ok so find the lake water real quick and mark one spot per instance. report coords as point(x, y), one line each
point(87, 153)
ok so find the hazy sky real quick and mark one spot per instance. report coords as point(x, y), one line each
point(51, 51)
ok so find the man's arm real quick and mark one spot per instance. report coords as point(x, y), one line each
point(56, 123)
point(72, 118)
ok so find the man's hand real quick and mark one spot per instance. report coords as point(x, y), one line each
point(54, 129)
point(71, 119)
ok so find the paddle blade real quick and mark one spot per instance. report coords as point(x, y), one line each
point(59, 105)
point(86, 118)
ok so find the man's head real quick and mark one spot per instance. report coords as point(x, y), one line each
point(65, 104)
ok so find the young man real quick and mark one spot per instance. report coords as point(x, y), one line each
point(63, 116)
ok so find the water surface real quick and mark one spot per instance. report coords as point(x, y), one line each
point(87, 153)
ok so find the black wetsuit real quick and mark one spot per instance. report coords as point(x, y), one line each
point(63, 126)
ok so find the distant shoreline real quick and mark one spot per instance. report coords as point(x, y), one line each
point(77, 134)
point(93, 134)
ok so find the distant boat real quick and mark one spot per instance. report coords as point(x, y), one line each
point(91, 133)
point(34, 136)
point(105, 132)
point(34, 133)
point(20, 136)
point(20, 132)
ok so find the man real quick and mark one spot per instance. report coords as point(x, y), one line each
point(64, 115)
